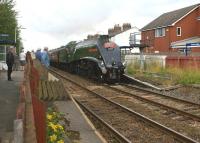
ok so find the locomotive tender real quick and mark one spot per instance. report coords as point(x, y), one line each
point(96, 58)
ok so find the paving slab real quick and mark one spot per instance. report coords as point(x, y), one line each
point(9, 99)
point(78, 122)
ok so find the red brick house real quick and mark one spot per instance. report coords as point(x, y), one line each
point(172, 30)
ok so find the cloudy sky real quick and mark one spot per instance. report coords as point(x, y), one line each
point(55, 23)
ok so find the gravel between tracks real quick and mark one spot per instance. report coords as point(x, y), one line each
point(188, 93)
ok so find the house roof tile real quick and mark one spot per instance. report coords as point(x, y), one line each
point(167, 19)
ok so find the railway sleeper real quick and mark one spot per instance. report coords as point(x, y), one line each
point(178, 117)
point(196, 112)
point(192, 108)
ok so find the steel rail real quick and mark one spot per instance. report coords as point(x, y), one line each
point(167, 130)
point(119, 136)
point(194, 117)
point(160, 94)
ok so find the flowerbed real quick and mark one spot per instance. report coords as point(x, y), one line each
point(55, 130)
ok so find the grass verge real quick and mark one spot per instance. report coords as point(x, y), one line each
point(164, 76)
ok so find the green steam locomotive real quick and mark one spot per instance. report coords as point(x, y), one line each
point(97, 58)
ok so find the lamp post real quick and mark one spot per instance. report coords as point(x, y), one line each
point(16, 32)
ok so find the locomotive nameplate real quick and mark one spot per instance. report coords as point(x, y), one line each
point(92, 50)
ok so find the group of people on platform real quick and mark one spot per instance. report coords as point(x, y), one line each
point(43, 57)
point(12, 59)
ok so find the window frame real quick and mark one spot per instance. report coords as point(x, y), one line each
point(178, 32)
point(160, 32)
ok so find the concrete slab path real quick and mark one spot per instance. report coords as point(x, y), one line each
point(9, 97)
point(78, 122)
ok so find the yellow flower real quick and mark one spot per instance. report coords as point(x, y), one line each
point(60, 127)
point(53, 138)
point(54, 127)
point(49, 117)
point(60, 141)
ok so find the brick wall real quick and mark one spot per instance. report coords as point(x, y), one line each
point(185, 62)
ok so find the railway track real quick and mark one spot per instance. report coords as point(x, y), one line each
point(118, 137)
point(181, 107)
point(121, 114)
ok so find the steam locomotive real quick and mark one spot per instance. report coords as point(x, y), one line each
point(97, 58)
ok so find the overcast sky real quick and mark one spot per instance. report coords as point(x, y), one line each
point(55, 23)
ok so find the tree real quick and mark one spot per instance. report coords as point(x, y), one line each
point(8, 22)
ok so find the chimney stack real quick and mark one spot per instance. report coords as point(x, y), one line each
point(118, 29)
point(126, 26)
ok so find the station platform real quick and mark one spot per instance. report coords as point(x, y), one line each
point(9, 104)
point(9, 99)
point(78, 122)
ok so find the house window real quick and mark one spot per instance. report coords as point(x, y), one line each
point(160, 32)
point(178, 31)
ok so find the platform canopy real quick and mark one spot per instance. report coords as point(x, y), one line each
point(190, 43)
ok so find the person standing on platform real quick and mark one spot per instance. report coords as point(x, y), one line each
point(33, 54)
point(45, 57)
point(9, 62)
point(38, 54)
point(22, 58)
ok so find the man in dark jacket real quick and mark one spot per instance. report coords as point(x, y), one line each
point(9, 62)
